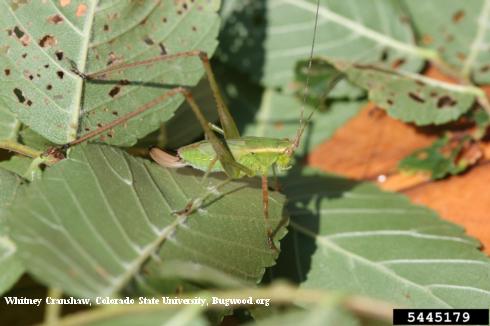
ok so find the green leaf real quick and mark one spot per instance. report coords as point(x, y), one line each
point(93, 220)
point(17, 164)
point(32, 139)
point(321, 82)
point(444, 157)
point(459, 32)
point(352, 237)
point(43, 38)
point(10, 265)
point(9, 125)
point(183, 128)
point(267, 38)
point(409, 97)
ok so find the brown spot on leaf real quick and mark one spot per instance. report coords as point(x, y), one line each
point(433, 94)
point(458, 15)
point(461, 56)
point(113, 92)
point(55, 19)
point(194, 28)
point(106, 28)
point(20, 96)
point(124, 82)
point(470, 154)
point(60, 74)
point(398, 63)
point(113, 58)
point(445, 101)
point(81, 10)
point(164, 19)
point(416, 97)
point(24, 55)
point(427, 39)
point(404, 19)
point(163, 50)
point(49, 87)
point(48, 41)
point(390, 102)
point(7, 72)
point(29, 102)
point(115, 113)
point(384, 55)
point(423, 155)
point(485, 68)
point(278, 125)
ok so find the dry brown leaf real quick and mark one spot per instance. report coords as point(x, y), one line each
point(370, 146)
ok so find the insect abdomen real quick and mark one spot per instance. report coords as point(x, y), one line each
point(257, 154)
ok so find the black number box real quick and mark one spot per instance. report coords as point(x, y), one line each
point(440, 317)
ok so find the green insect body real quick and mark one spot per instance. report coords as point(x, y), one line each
point(258, 154)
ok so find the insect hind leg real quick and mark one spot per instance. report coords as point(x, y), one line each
point(265, 205)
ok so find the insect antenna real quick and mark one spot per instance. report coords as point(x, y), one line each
point(303, 123)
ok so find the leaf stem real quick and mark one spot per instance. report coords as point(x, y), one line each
point(19, 148)
point(53, 311)
point(278, 293)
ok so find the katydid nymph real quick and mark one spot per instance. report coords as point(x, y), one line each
point(230, 153)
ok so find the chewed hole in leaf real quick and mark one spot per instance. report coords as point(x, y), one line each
point(446, 101)
point(59, 55)
point(48, 41)
point(148, 41)
point(20, 96)
point(18, 32)
point(113, 92)
point(416, 97)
